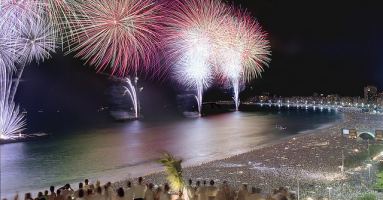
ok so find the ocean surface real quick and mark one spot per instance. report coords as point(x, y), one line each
point(116, 151)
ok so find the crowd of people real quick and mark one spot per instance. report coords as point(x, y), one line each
point(227, 192)
point(201, 190)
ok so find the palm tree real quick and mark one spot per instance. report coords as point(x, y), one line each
point(173, 170)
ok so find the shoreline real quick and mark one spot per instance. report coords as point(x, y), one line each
point(260, 147)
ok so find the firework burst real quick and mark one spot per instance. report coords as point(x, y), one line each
point(121, 34)
point(191, 26)
point(243, 50)
point(8, 54)
point(58, 14)
point(253, 46)
point(14, 11)
point(25, 35)
point(36, 40)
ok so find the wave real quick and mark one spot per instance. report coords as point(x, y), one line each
point(323, 126)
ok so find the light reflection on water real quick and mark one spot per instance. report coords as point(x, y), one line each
point(130, 149)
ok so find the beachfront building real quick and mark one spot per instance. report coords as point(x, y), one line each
point(370, 94)
point(380, 100)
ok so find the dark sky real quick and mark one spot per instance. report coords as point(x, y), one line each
point(324, 47)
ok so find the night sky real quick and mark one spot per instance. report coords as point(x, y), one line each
point(322, 47)
point(325, 47)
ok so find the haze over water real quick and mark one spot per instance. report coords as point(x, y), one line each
point(122, 150)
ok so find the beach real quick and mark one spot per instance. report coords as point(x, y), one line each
point(121, 151)
point(313, 159)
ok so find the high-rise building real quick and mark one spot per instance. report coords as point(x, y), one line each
point(370, 94)
point(380, 99)
point(332, 98)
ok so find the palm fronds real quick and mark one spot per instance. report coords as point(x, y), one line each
point(173, 170)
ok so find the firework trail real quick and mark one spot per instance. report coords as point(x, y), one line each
point(12, 121)
point(122, 35)
point(242, 50)
point(131, 91)
point(190, 27)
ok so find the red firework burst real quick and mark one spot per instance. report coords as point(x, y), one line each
point(121, 34)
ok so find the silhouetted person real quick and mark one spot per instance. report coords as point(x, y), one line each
point(40, 196)
point(46, 193)
point(139, 190)
point(98, 194)
point(89, 194)
point(81, 194)
point(120, 194)
point(28, 196)
point(243, 193)
point(189, 191)
point(229, 193)
point(255, 194)
point(165, 193)
point(129, 193)
point(158, 193)
point(52, 195)
point(66, 191)
point(86, 186)
point(220, 194)
point(211, 190)
point(202, 192)
point(149, 193)
point(59, 196)
point(80, 187)
point(108, 191)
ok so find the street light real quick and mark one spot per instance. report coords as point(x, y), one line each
point(342, 167)
point(329, 192)
point(369, 172)
point(368, 149)
point(298, 189)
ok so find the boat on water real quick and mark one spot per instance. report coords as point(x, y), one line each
point(122, 116)
point(280, 127)
point(189, 114)
point(24, 138)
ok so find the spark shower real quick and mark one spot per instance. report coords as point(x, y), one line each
point(195, 42)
